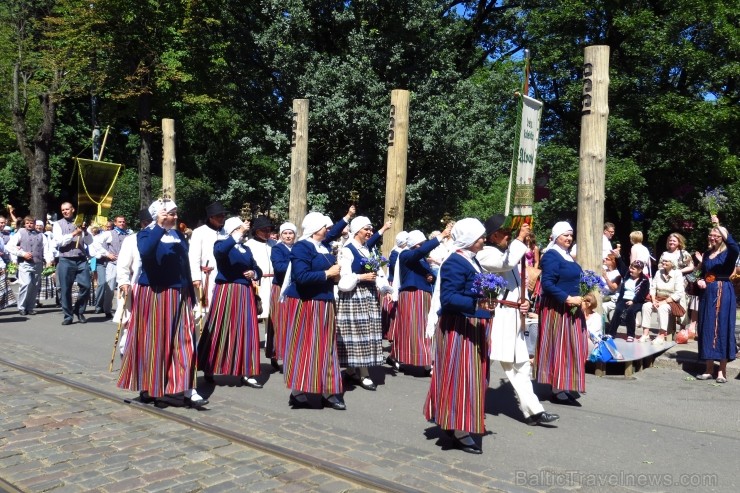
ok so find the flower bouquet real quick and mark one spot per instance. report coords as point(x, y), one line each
point(48, 271)
point(590, 281)
point(713, 200)
point(12, 270)
point(488, 285)
point(374, 262)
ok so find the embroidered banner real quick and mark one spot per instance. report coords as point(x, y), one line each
point(520, 197)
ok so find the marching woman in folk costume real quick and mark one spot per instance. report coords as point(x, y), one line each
point(563, 339)
point(359, 326)
point(717, 302)
point(160, 352)
point(456, 397)
point(311, 364)
point(277, 322)
point(389, 306)
point(415, 285)
point(230, 344)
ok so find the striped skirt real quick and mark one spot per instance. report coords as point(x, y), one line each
point(230, 343)
point(7, 297)
point(457, 393)
point(160, 350)
point(563, 347)
point(359, 328)
point(410, 345)
point(278, 323)
point(311, 364)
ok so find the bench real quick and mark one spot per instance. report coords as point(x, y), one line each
point(637, 355)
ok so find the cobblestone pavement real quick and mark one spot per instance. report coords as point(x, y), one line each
point(54, 438)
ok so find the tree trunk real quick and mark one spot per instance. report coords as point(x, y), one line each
point(145, 150)
point(36, 156)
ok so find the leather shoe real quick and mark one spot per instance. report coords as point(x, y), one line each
point(22, 313)
point(367, 384)
point(539, 418)
point(337, 403)
point(145, 398)
point(108, 316)
point(67, 321)
point(570, 401)
point(32, 312)
point(195, 404)
point(470, 449)
point(297, 403)
point(396, 365)
point(98, 311)
point(251, 382)
point(81, 318)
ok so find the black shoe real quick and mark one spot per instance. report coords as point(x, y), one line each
point(296, 403)
point(470, 449)
point(251, 382)
point(275, 365)
point(81, 318)
point(198, 404)
point(570, 401)
point(108, 316)
point(22, 313)
point(396, 365)
point(366, 384)
point(337, 404)
point(67, 321)
point(539, 418)
point(32, 312)
point(145, 398)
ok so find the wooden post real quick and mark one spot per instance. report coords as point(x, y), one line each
point(169, 163)
point(299, 162)
point(594, 115)
point(395, 186)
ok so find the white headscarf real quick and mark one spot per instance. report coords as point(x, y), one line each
point(313, 222)
point(288, 227)
point(466, 232)
point(560, 229)
point(168, 206)
point(358, 223)
point(415, 237)
point(401, 239)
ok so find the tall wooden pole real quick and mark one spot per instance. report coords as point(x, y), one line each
point(169, 162)
point(591, 177)
point(395, 186)
point(299, 162)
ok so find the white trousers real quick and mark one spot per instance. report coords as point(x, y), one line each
point(519, 375)
point(29, 277)
point(664, 312)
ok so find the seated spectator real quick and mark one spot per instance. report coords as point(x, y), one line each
point(594, 321)
point(612, 272)
point(665, 287)
point(632, 294)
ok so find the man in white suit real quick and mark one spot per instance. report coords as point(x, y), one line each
point(202, 262)
point(508, 344)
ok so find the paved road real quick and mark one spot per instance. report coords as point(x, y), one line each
point(661, 431)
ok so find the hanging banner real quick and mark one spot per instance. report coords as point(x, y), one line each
point(95, 182)
point(520, 198)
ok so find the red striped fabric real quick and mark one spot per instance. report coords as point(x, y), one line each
point(456, 398)
point(160, 349)
point(562, 348)
point(410, 345)
point(311, 364)
point(278, 323)
point(230, 343)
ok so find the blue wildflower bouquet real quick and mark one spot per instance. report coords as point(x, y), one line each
point(374, 262)
point(713, 200)
point(488, 285)
point(590, 281)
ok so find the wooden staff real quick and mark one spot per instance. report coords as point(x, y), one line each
point(118, 335)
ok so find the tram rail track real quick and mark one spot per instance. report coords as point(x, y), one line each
point(349, 474)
